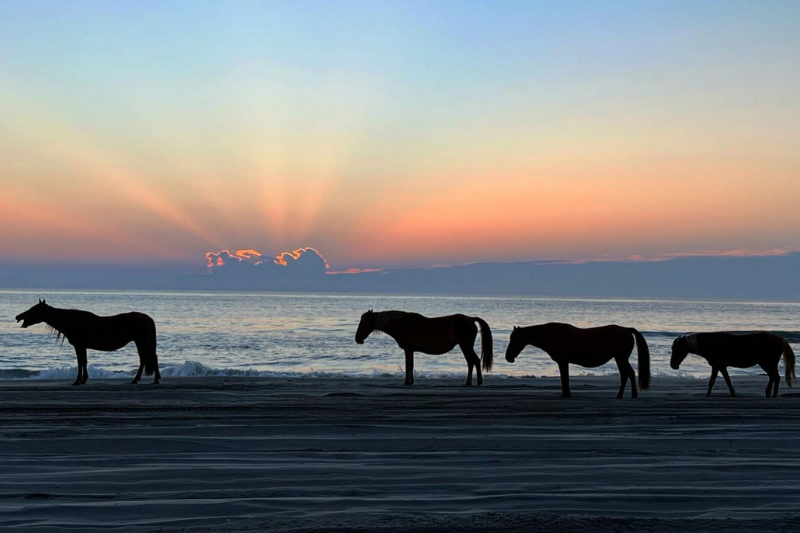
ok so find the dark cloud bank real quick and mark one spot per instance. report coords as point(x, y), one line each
point(764, 277)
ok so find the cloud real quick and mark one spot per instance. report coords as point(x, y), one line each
point(284, 258)
point(356, 271)
point(225, 257)
point(249, 267)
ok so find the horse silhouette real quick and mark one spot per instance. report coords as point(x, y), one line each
point(87, 331)
point(590, 347)
point(434, 336)
point(739, 350)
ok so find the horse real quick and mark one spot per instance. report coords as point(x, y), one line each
point(739, 350)
point(434, 336)
point(589, 347)
point(85, 330)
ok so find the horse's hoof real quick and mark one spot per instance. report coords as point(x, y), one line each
point(135, 382)
point(156, 382)
point(407, 383)
point(76, 383)
point(565, 396)
point(468, 384)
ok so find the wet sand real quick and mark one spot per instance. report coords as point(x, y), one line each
point(265, 454)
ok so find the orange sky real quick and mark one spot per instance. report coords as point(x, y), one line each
point(635, 135)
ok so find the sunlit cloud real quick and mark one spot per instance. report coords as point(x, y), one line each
point(740, 252)
point(223, 257)
point(356, 271)
point(295, 255)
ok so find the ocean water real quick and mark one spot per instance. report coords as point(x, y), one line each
point(313, 334)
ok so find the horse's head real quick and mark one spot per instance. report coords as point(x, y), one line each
point(34, 315)
point(365, 327)
point(680, 349)
point(515, 345)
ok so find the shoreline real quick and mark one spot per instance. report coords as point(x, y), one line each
point(367, 454)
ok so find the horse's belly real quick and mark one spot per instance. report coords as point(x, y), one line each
point(745, 362)
point(435, 350)
point(588, 361)
point(107, 345)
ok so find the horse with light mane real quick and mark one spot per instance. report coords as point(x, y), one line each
point(87, 331)
point(434, 336)
point(589, 347)
point(739, 350)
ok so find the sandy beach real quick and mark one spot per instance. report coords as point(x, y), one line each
point(262, 454)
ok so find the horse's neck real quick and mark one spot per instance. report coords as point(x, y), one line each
point(389, 324)
point(58, 319)
point(538, 337)
point(691, 343)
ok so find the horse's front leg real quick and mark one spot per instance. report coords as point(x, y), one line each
point(727, 380)
point(409, 368)
point(80, 354)
point(563, 369)
point(714, 372)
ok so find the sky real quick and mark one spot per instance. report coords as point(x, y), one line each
point(398, 134)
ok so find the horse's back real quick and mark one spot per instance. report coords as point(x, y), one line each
point(740, 341)
point(739, 349)
point(588, 346)
point(115, 331)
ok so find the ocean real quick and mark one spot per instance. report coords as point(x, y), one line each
point(282, 334)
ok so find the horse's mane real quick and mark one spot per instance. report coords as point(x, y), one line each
point(381, 319)
point(59, 336)
point(50, 329)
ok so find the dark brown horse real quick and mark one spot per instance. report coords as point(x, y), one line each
point(739, 350)
point(591, 347)
point(435, 336)
point(85, 330)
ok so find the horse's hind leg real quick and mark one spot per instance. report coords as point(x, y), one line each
point(138, 375)
point(623, 380)
point(774, 380)
point(158, 374)
point(728, 381)
point(626, 373)
point(470, 365)
point(473, 361)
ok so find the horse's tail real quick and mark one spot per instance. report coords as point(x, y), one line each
point(644, 359)
point(151, 363)
point(788, 361)
point(487, 346)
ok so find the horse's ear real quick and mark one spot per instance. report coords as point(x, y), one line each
point(515, 328)
point(44, 301)
point(40, 300)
